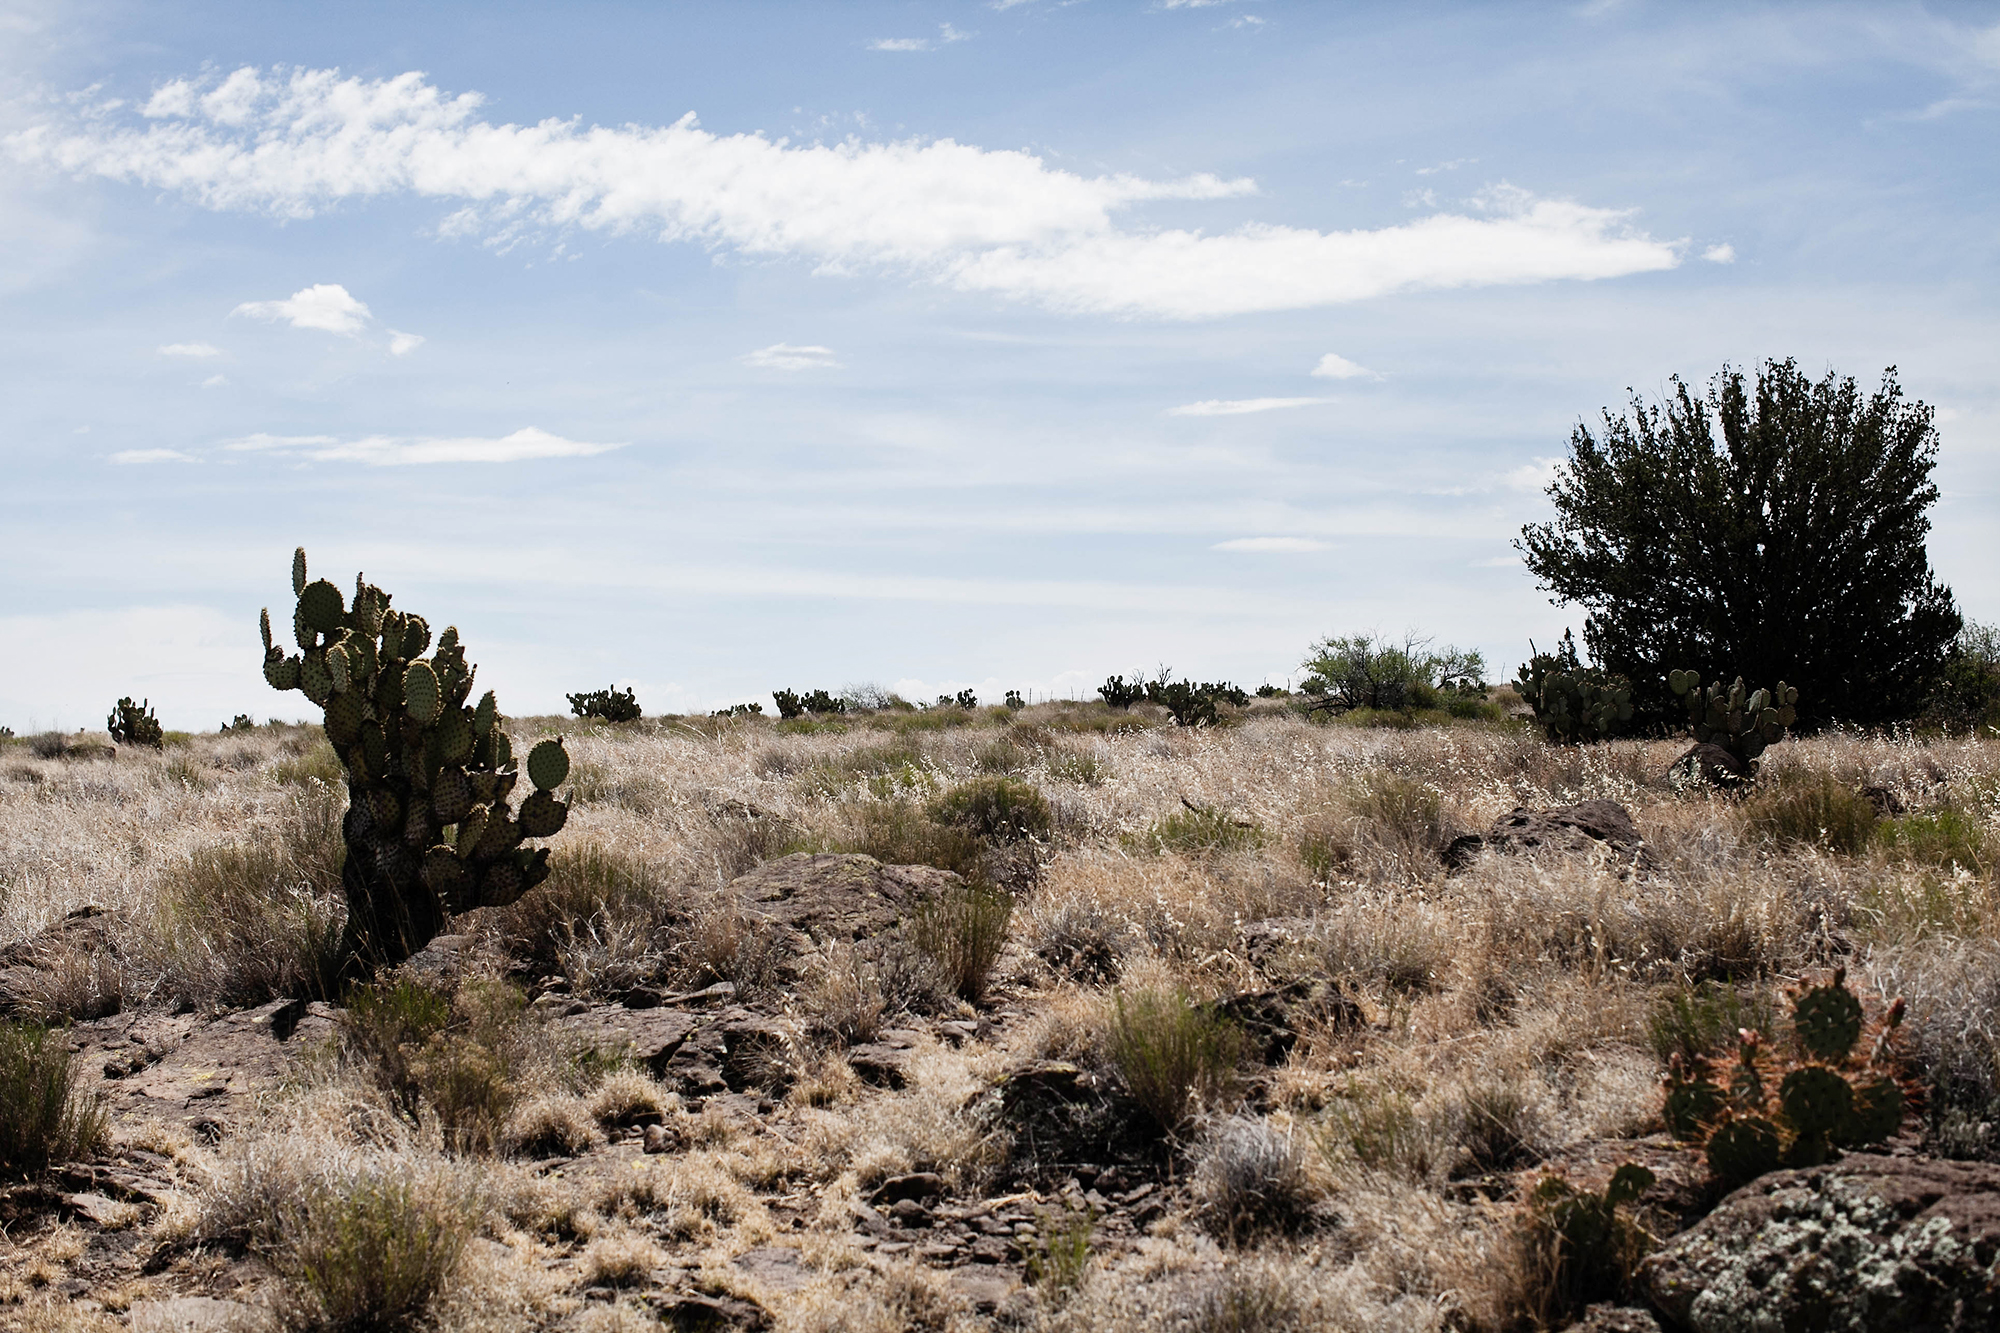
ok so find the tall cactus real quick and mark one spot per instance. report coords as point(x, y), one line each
point(1741, 721)
point(429, 826)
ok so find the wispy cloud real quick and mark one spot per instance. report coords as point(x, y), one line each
point(400, 342)
point(1534, 476)
point(946, 36)
point(325, 306)
point(1336, 367)
point(1452, 165)
point(153, 456)
point(1720, 254)
point(1279, 545)
point(1001, 222)
point(196, 350)
point(215, 381)
point(400, 451)
point(1236, 407)
point(784, 356)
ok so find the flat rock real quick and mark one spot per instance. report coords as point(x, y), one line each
point(197, 1314)
point(1615, 1319)
point(823, 898)
point(1864, 1243)
point(1710, 763)
point(650, 1037)
point(86, 935)
point(1567, 830)
point(780, 1267)
point(195, 1071)
point(694, 1312)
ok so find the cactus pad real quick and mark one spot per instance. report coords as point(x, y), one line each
point(451, 796)
point(1828, 1021)
point(321, 607)
point(343, 719)
point(421, 699)
point(1817, 1102)
point(282, 672)
point(416, 636)
point(1878, 1112)
point(542, 815)
point(500, 836)
point(1690, 1106)
point(314, 678)
point(299, 572)
point(548, 765)
point(1743, 1149)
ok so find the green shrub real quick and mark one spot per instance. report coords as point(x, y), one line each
point(318, 765)
point(1173, 1055)
point(1811, 809)
point(1383, 1129)
point(964, 929)
point(134, 724)
point(45, 1118)
point(371, 1253)
point(1696, 1022)
point(458, 1056)
point(995, 809)
point(1366, 671)
point(1058, 1253)
point(1199, 829)
point(1587, 1245)
point(1946, 839)
point(898, 833)
point(1573, 702)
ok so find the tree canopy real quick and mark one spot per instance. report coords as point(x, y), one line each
point(1768, 530)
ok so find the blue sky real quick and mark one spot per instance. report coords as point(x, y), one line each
point(711, 349)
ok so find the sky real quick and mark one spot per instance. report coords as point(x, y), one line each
point(712, 349)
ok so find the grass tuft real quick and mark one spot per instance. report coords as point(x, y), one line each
point(45, 1118)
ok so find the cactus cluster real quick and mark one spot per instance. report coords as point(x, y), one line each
point(1573, 703)
point(1792, 1107)
point(134, 724)
point(607, 704)
point(1741, 721)
point(430, 827)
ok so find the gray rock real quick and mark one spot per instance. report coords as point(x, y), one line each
point(1615, 1319)
point(1710, 763)
point(1588, 826)
point(198, 1314)
point(1864, 1243)
point(821, 898)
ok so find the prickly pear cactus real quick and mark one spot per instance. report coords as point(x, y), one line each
point(134, 724)
point(430, 828)
point(1792, 1107)
point(1574, 703)
point(1743, 722)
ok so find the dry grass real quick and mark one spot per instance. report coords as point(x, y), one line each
point(1512, 1013)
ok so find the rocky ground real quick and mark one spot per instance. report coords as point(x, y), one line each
point(704, 1078)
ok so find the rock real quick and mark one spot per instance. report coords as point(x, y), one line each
point(214, 1071)
point(1615, 1319)
point(693, 1312)
point(1712, 764)
point(1887, 804)
point(1270, 1018)
point(650, 1037)
point(779, 1267)
point(1274, 937)
point(442, 960)
point(1063, 1117)
point(197, 1314)
point(822, 898)
point(910, 1213)
point(916, 1185)
point(1864, 1243)
point(101, 1210)
point(1587, 826)
point(85, 939)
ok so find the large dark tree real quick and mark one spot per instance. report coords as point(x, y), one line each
point(1772, 531)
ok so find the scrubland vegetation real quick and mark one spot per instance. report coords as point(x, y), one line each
point(1463, 1058)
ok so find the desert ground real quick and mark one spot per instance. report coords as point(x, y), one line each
point(1218, 1038)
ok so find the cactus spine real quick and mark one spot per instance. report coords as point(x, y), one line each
point(429, 827)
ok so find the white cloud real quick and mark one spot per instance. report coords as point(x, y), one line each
point(1452, 165)
point(324, 305)
point(1236, 407)
point(395, 451)
point(1273, 544)
point(215, 381)
point(784, 356)
point(400, 343)
point(1002, 222)
point(1497, 562)
point(198, 350)
point(1335, 367)
point(1720, 254)
point(946, 36)
point(1246, 21)
point(153, 456)
point(1534, 476)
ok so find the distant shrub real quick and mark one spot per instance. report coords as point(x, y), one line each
point(1172, 1055)
point(1272, 692)
point(318, 765)
point(740, 710)
point(1574, 703)
point(134, 724)
point(1250, 1180)
point(1115, 692)
point(1945, 839)
point(1969, 693)
point(45, 1117)
point(789, 704)
point(607, 705)
point(1014, 700)
point(1811, 809)
point(822, 704)
point(1057, 1255)
point(966, 699)
point(1369, 671)
point(964, 929)
point(242, 722)
point(995, 809)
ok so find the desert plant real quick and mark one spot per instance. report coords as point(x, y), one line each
point(1014, 701)
point(1696, 1022)
point(241, 722)
point(1345, 672)
point(457, 1056)
point(1745, 723)
point(1200, 829)
point(963, 929)
point(1947, 839)
point(1173, 1055)
point(418, 762)
point(1790, 543)
point(46, 1118)
point(995, 809)
point(1969, 693)
point(134, 724)
point(372, 1252)
point(1587, 1243)
point(740, 710)
point(1251, 1180)
point(822, 704)
point(1057, 1255)
point(789, 704)
point(1115, 692)
point(1573, 702)
point(1793, 1105)
point(1809, 808)
point(607, 704)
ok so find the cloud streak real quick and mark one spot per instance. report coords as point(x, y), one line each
point(1236, 407)
point(784, 356)
point(997, 222)
point(406, 451)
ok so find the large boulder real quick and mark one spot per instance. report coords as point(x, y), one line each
point(1865, 1243)
point(822, 898)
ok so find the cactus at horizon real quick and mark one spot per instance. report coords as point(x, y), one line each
point(430, 829)
point(135, 724)
point(1743, 722)
point(1573, 702)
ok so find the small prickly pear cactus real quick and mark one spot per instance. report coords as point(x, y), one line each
point(1830, 1095)
point(1743, 722)
point(429, 826)
point(1574, 703)
point(134, 724)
